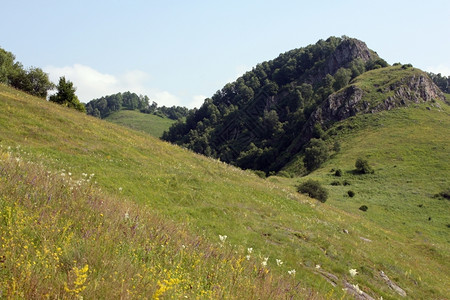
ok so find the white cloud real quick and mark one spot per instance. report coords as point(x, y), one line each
point(197, 101)
point(92, 84)
point(444, 70)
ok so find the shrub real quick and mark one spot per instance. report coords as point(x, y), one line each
point(338, 173)
point(351, 193)
point(445, 194)
point(363, 208)
point(284, 174)
point(335, 183)
point(362, 166)
point(314, 189)
point(337, 146)
point(346, 182)
point(260, 173)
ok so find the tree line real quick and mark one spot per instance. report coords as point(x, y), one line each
point(442, 82)
point(34, 81)
point(104, 106)
point(37, 83)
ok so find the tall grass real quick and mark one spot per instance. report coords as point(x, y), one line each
point(62, 238)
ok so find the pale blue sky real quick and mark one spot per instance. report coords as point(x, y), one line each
point(179, 52)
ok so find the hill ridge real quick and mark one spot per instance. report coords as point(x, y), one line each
point(411, 87)
point(268, 115)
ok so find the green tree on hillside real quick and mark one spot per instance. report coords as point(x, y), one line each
point(315, 154)
point(33, 81)
point(6, 65)
point(66, 95)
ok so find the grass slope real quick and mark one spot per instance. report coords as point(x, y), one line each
point(210, 199)
point(151, 124)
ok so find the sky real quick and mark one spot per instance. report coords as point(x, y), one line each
point(181, 52)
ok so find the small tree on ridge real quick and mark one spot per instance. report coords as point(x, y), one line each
point(66, 95)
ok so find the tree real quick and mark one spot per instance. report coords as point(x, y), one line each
point(66, 95)
point(34, 81)
point(342, 78)
point(6, 65)
point(315, 154)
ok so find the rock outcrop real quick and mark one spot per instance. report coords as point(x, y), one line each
point(351, 101)
point(347, 51)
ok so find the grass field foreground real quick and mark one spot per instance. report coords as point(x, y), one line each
point(285, 230)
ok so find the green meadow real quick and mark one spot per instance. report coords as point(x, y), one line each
point(146, 199)
point(149, 123)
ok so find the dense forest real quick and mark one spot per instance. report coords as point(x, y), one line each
point(252, 121)
point(104, 106)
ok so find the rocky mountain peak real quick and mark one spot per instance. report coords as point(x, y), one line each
point(346, 52)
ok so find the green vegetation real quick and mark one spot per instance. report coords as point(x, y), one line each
point(316, 153)
point(313, 189)
point(33, 81)
point(362, 166)
point(363, 208)
point(377, 83)
point(104, 106)
point(149, 123)
point(62, 238)
point(66, 95)
point(209, 198)
point(92, 209)
point(253, 121)
point(442, 82)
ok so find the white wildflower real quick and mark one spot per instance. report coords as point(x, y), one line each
point(222, 238)
point(127, 216)
point(353, 272)
point(249, 250)
point(83, 174)
point(279, 262)
point(247, 257)
point(70, 174)
point(317, 266)
point(120, 189)
point(291, 272)
point(356, 287)
point(264, 262)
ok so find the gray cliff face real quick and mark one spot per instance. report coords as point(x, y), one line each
point(414, 89)
point(351, 101)
point(346, 52)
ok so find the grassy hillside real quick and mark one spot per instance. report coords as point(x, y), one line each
point(207, 198)
point(148, 123)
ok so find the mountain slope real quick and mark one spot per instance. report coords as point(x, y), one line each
point(212, 198)
point(372, 92)
point(149, 123)
point(252, 121)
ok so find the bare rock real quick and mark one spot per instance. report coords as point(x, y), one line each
point(356, 292)
point(392, 284)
